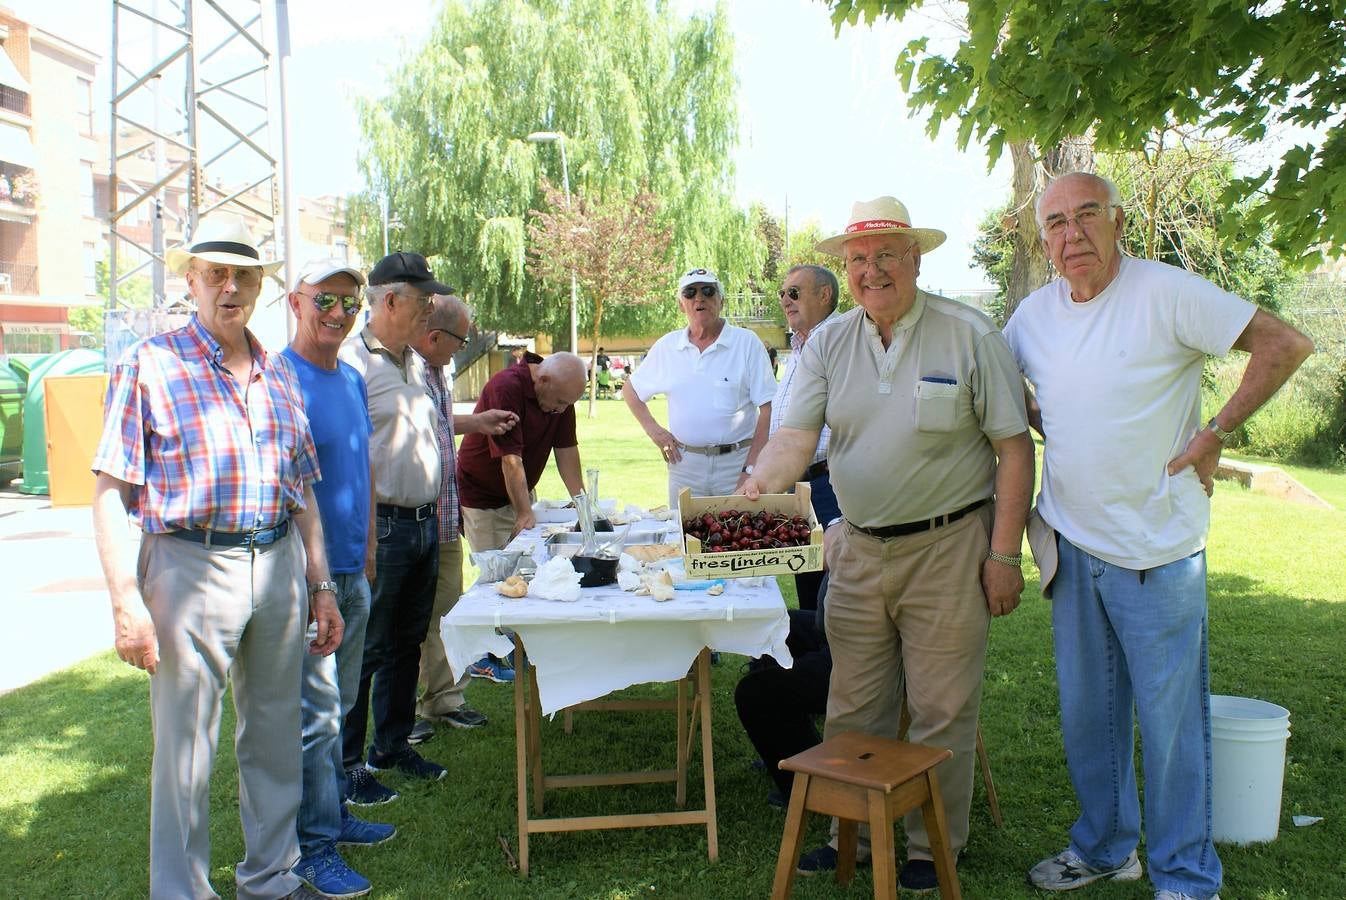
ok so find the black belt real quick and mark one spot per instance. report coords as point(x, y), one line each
point(212, 539)
point(718, 449)
point(817, 470)
point(419, 513)
point(892, 531)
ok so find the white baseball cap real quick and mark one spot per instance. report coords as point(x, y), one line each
point(319, 270)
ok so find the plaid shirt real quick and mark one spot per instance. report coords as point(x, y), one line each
point(782, 400)
point(177, 428)
point(441, 392)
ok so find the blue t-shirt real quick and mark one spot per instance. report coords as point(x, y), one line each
point(338, 415)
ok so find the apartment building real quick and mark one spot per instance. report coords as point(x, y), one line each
point(50, 236)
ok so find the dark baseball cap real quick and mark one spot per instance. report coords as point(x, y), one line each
point(409, 267)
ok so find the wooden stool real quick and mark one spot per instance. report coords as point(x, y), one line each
point(858, 777)
point(983, 760)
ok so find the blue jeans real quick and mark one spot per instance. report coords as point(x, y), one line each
point(399, 614)
point(1124, 642)
point(328, 690)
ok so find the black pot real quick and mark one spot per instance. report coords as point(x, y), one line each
point(595, 571)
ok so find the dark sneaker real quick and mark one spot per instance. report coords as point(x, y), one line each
point(329, 875)
point(492, 670)
point(359, 833)
point(421, 732)
point(824, 859)
point(408, 762)
point(303, 892)
point(464, 716)
point(777, 799)
point(1066, 871)
point(365, 789)
point(918, 875)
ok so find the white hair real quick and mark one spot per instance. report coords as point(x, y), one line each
point(1114, 195)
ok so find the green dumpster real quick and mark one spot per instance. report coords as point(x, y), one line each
point(13, 386)
point(67, 362)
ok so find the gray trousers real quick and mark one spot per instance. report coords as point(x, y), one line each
point(224, 615)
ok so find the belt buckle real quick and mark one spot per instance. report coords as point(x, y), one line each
point(424, 511)
point(725, 448)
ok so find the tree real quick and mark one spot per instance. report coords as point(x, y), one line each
point(1033, 70)
point(646, 101)
point(617, 251)
point(135, 292)
point(769, 232)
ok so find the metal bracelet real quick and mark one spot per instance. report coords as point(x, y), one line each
point(1016, 559)
point(318, 587)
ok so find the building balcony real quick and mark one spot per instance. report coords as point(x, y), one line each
point(16, 278)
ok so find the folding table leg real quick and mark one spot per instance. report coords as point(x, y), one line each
point(521, 754)
point(707, 752)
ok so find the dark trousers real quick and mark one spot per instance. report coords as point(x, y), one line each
point(826, 509)
point(399, 614)
point(777, 706)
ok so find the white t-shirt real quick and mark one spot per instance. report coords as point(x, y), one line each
point(713, 394)
point(1118, 379)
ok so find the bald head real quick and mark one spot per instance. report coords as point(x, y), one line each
point(559, 380)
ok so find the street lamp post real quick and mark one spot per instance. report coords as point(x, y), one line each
point(547, 137)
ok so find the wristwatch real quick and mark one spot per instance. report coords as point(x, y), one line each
point(318, 587)
point(747, 470)
point(1220, 434)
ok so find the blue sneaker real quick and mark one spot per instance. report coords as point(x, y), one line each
point(365, 789)
point(329, 875)
point(359, 833)
point(493, 669)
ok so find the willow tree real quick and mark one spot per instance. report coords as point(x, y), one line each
point(644, 99)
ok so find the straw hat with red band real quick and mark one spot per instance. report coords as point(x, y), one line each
point(225, 241)
point(882, 215)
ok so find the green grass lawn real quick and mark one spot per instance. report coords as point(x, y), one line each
point(75, 750)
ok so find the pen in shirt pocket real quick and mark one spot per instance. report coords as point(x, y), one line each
point(936, 379)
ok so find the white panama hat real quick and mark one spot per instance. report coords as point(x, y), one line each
point(225, 240)
point(882, 215)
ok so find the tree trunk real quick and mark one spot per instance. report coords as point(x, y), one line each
point(1029, 269)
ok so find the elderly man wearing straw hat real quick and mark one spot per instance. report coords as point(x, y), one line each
point(933, 468)
point(206, 444)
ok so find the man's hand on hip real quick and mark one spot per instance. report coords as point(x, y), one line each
point(1203, 454)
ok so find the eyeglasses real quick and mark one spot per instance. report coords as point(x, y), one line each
point(791, 292)
point(707, 290)
point(460, 338)
point(422, 299)
point(884, 259)
point(326, 300)
point(1086, 217)
point(242, 276)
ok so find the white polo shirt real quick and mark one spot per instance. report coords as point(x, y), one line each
point(713, 394)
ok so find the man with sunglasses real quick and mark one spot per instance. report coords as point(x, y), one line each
point(205, 442)
point(1114, 350)
point(442, 699)
point(325, 303)
point(405, 454)
point(933, 469)
point(718, 382)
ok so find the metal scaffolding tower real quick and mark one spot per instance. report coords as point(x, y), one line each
point(190, 135)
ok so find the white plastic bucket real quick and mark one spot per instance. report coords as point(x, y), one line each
point(1248, 767)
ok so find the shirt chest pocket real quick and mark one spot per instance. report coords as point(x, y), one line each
point(936, 406)
point(727, 395)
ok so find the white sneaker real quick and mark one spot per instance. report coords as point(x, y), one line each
point(1179, 895)
point(1066, 871)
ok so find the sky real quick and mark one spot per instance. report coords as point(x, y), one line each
point(822, 119)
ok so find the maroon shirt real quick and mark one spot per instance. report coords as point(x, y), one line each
point(481, 478)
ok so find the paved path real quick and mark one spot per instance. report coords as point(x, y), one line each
point(52, 594)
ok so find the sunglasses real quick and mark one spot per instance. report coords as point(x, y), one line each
point(453, 334)
point(242, 276)
point(791, 292)
point(326, 300)
point(707, 290)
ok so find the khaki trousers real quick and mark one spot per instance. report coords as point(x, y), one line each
point(224, 615)
point(443, 692)
point(909, 613)
point(488, 529)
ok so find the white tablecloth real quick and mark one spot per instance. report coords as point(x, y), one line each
point(610, 639)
